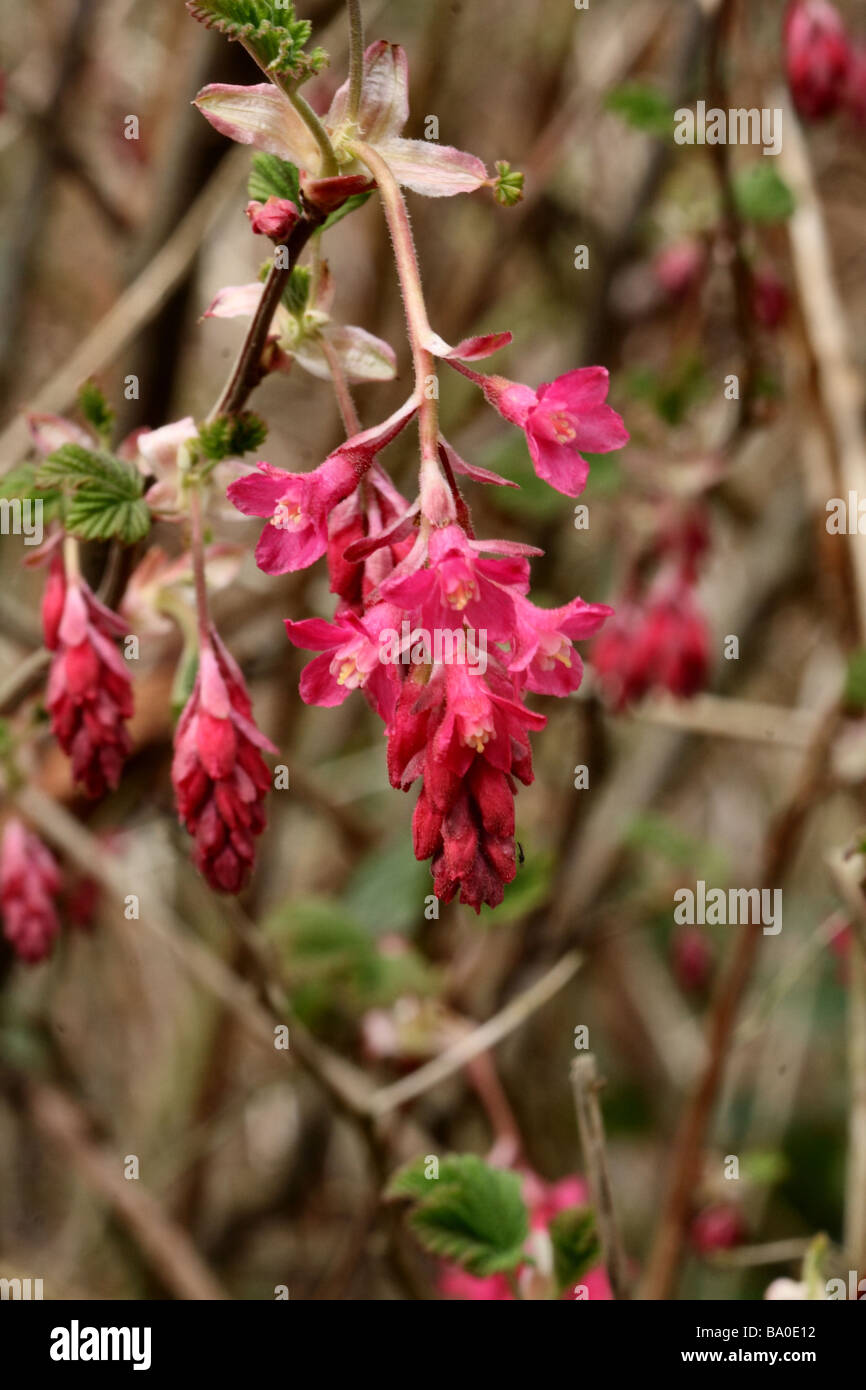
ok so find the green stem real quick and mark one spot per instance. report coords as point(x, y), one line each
point(330, 167)
point(198, 565)
point(356, 58)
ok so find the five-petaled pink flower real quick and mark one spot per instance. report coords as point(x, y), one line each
point(563, 419)
point(461, 586)
point(351, 658)
point(544, 657)
point(298, 505)
point(29, 884)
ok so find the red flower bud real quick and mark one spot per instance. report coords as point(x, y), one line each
point(276, 218)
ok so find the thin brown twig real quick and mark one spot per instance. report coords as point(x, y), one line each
point(586, 1084)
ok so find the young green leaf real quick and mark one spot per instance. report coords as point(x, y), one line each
point(272, 177)
point(642, 106)
point(297, 291)
point(356, 201)
point(575, 1246)
point(20, 482)
point(104, 494)
point(270, 30)
point(762, 196)
point(472, 1213)
point(96, 411)
point(231, 436)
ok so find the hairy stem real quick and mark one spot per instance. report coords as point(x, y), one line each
point(417, 322)
point(356, 58)
point(348, 413)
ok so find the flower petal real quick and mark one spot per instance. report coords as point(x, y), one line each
point(384, 95)
point(361, 356)
point(314, 634)
point(470, 349)
point(438, 171)
point(236, 302)
point(472, 470)
point(260, 116)
point(258, 493)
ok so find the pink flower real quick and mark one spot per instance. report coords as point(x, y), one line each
point(544, 658)
point(769, 298)
point(561, 419)
point(298, 505)
point(274, 219)
point(817, 57)
point(692, 959)
point(680, 267)
point(718, 1228)
point(660, 644)
point(264, 117)
point(459, 586)
point(220, 777)
point(29, 883)
point(89, 693)
point(350, 660)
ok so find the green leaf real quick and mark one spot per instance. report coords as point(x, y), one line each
point(357, 200)
point(93, 515)
point(231, 436)
point(762, 196)
point(104, 494)
point(472, 1213)
point(297, 292)
point(661, 836)
point(335, 965)
point(642, 106)
point(96, 411)
point(73, 466)
point(21, 482)
point(269, 30)
point(855, 680)
point(386, 892)
point(272, 177)
point(576, 1246)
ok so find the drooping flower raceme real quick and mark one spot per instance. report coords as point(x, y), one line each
point(434, 625)
point(89, 693)
point(29, 885)
point(220, 777)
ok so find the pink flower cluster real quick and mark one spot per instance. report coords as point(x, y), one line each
point(826, 70)
point(29, 885)
point(89, 693)
point(658, 639)
point(398, 567)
